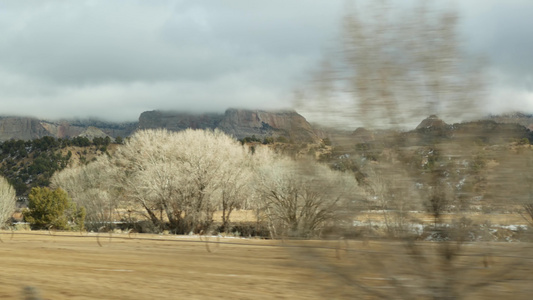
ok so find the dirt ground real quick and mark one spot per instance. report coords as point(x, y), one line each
point(72, 266)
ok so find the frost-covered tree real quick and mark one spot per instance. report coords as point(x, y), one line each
point(7, 201)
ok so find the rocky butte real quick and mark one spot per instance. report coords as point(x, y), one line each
point(239, 123)
point(21, 128)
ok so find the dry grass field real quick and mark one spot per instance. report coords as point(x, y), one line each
point(504, 219)
point(78, 268)
point(67, 266)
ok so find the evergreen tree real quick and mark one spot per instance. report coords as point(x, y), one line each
point(53, 209)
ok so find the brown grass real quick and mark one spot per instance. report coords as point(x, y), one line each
point(77, 268)
point(66, 266)
point(426, 218)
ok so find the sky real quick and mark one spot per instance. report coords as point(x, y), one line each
point(113, 59)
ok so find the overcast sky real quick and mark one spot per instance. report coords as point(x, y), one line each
point(114, 59)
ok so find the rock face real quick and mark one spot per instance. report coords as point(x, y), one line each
point(25, 128)
point(62, 129)
point(91, 132)
point(242, 123)
point(109, 128)
point(239, 123)
point(21, 128)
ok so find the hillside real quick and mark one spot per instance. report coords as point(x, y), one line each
point(242, 123)
point(523, 119)
point(31, 160)
point(32, 163)
point(27, 128)
point(457, 158)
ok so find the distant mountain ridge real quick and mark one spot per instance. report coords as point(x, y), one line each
point(28, 128)
point(523, 119)
point(491, 130)
point(239, 123)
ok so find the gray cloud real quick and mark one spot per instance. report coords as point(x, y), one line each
point(502, 31)
point(114, 59)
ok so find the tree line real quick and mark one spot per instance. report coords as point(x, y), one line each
point(32, 163)
point(177, 181)
point(180, 179)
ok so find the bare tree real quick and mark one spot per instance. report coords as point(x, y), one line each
point(394, 64)
point(300, 198)
point(185, 175)
point(90, 186)
point(511, 182)
point(237, 188)
point(392, 190)
point(7, 201)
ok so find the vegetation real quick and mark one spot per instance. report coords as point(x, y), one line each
point(186, 175)
point(511, 184)
point(89, 186)
point(397, 65)
point(299, 199)
point(28, 164)
point(7, 201)
point(49, 209)
point(178, 181)
point(250, 139)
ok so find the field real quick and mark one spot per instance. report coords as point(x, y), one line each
point(72, 266)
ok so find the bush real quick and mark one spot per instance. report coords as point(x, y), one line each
point(247, 229)
point(53, 209)
point(268, 140)
point(523, 141)
point(282, 139)
point(7, 201)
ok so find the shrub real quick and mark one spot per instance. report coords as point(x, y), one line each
point(268, 140)
point(53, 208)
point(7, 201)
